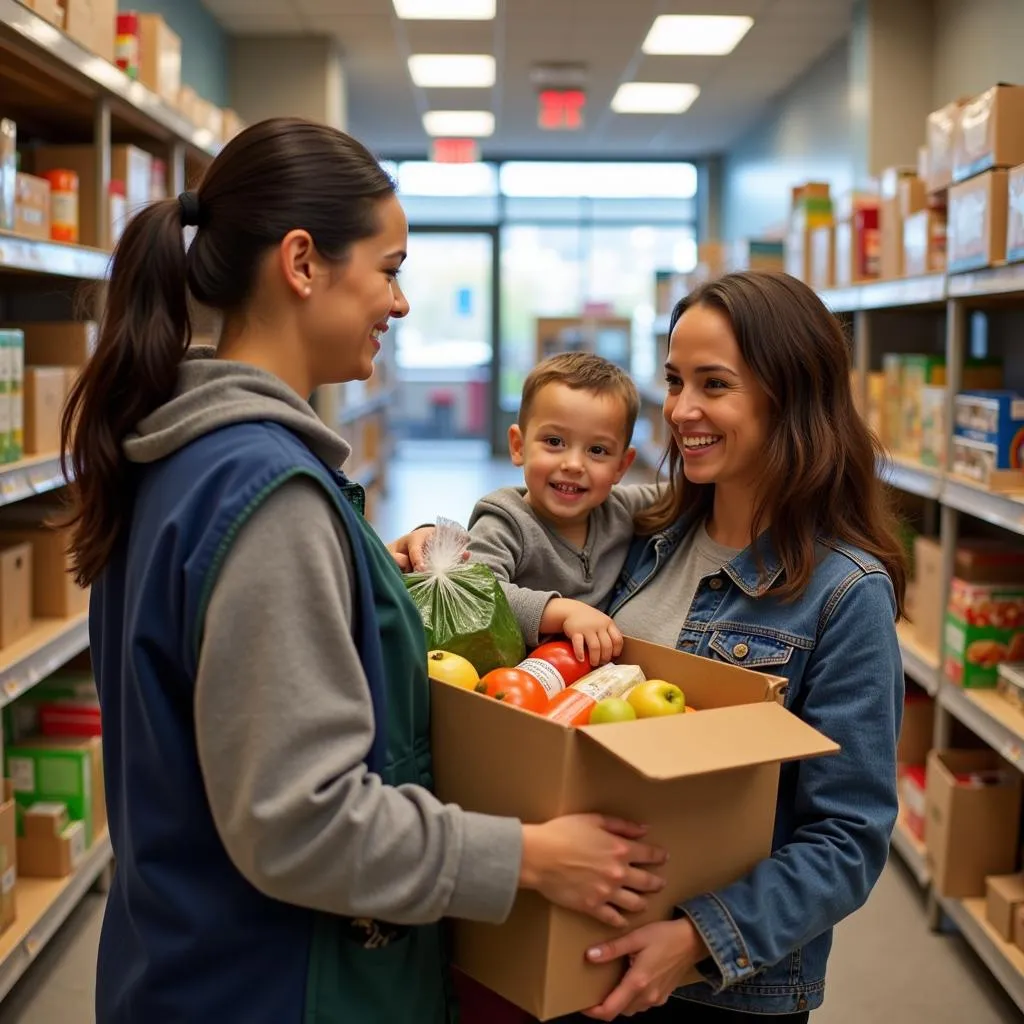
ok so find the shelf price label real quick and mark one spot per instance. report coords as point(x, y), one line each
point(13, 686)
point(1011, 750)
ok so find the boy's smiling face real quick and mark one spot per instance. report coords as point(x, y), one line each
point(573, 451)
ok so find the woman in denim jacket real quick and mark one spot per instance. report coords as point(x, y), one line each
point(773, 549)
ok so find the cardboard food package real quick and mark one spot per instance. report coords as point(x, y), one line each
point(159, 57)
point(973, 816)
point(933, 426)
point(58, 343)
point(990, 132)
point(712, 775)
point(54, 856)
point(15, 592)
point(941, 129)
point(917, 731)
point(890, 244)
point(32, 207)
point(92, 24)
point(984, 627)
point(8, 857)
point(988, 433)
point(44, 820)
point(924, 243)
point(69, 771)
point(857, 252)
point(1018, 927)
point(45, 389)
point(930, 611)
point(1004, 894)
point(823, 252)
point(976, 222)
point(913, 196)
point(1015, 215)
point(8, 172)
point(55, 594)
point(913, 802)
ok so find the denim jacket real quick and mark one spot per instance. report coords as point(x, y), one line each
point(770, 933)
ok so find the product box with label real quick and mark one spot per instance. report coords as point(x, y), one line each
point(8, 857)
point(823, 268)
point(68, 771)
point(15, 367)
point(913, 802)
point(984, 627)
point(913, 196)
point(10, 338)
point(32, 207)
point(991, 132)
point(890, 233)
point(924, 243)
point(941, 131)
point(44, 820)
point(972, 821)
point(712, 775)
point(1015, 215)
point(45, 389)
point(917, 731)
point(128, 164)
point(54, 856)
point(933, 426)
point(976, 222)
point(1004, 894)
point(15, 592)
point(857, 247)
point(159, 57)
point(55, 594)
point(8, 172)
point(58, 343)
point(919, 372)
point(930, 610)
point(70, 687)
point(995, 418)
point(92, 24)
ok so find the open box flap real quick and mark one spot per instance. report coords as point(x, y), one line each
point(677, 746)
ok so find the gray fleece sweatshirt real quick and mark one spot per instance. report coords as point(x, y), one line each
point(535, 564)
point(282, 706)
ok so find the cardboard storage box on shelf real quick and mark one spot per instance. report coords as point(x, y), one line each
point(823, 253)
point(976, 222)
point(55, 594)
point(1004, 894)
point(92, 24)
point(875, 412)
point(44, 820)
point(918, 728)
point(32, 207)
point(984, 626)
point(913, 800)
point(45, 390)
point(8, 857)
point(1015, 215)
point(890, 221)
point(712, 775)
point(128, 164)
point(159, 57)
point(8, 172)
point(930, 610)
point(988, 434)
point(58, 343)
point(913, 196)
point(857, 247)
point(12, 344)
point(924, 243)
point(933, 426)
point(51, 10)
point(67, 689)
point(941, 130)
point(15, 592)
point(972, 820)
point(1018, 927)
point(55, 857)
point(65, 770)
point(990, 132)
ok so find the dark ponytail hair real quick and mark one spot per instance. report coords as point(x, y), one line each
point(277, 176)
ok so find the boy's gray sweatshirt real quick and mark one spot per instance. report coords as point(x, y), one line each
point(536, 564)
point(283, 715)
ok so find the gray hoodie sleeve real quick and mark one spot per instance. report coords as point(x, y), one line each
point(283, 723)
point(496, 540)
point(635, 498)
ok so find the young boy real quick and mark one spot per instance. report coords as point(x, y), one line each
point(558, 544)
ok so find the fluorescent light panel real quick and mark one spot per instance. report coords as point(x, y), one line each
point(654, 97)
point(459, 124)
point(696, 34)
point(452, 71)
point(445, 10)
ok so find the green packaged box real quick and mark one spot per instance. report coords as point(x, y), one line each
point(8, 340)
point(68, 771)
point(984, 627)
point(16, 445)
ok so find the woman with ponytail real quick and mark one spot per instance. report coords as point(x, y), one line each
point(280, 857)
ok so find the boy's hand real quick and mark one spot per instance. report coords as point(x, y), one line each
point(591, 632)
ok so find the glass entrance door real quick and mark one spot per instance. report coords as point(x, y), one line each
point(445, 347)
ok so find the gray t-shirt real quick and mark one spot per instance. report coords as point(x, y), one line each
point(660, 610)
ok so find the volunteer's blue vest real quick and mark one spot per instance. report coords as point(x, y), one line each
point(186, 939)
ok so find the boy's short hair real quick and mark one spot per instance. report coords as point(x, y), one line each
point(582, 371)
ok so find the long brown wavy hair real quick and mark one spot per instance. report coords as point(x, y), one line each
point(278, 175)
point(818, 476)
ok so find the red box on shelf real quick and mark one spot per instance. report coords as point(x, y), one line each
point(70, 718)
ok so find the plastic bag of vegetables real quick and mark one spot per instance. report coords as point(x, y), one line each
point(462, 605)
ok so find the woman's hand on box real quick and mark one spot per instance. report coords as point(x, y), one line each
point(409, 549)
point(593, 634)
point(661, 956)
point(593, 864)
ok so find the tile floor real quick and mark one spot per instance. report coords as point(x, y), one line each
point(886, 964)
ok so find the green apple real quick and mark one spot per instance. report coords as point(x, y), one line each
point(656, 697)
point(612, 709)
point(453, 669)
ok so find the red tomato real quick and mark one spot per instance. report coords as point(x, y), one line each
point(559, 654)
point(514, 687)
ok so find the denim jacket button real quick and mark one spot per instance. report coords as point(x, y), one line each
point(801, 1004)
point(742, 962)
point(715, 583)
point(740, 650)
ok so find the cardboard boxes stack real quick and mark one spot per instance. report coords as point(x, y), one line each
point(988, 438)
point(856, 238)
point(911, 758)
point(810, 211)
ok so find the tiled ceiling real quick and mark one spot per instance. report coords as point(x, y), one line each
point(385, 109)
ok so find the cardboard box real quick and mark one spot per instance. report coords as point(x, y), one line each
point(892, 370)
point(976, 224)
point(1015, 215)
point(66, 770)
point(8, 172)
point(919, 372)
point(912, 786)
point(22, 718)
point(55, 857)
point(712, 775)
point(917, 731)
point(823, 265)
point(876, 404)
point(32, 207)
point(8, 857)
point(941, 128)
point(1004, 894)
point(51, 10)
point(128, 164)
point(924, 243)
point(984, 627)
point(58, 343)
point(1018, 927)
point(934, 434)
point(890, 228)
point(990, 132)
point(972, 822)
point(857, 247)
point(930, 611)
point(55, 594)
point(15, 592)
point(798, 254)
point(45, 389)
point(15, 368)
point(159, 57)
point(913, 196)
point(987, 560)
point(71, 718)
point(92, 24)
point(992, 417)
point(45, 820)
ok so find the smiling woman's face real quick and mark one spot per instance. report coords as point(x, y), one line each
point(715, 407)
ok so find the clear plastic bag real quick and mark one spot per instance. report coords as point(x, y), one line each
point(463, 608)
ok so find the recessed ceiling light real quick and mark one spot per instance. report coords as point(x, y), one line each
point(452, 71)
point(459, 124)
point(445, 10)
point(703, 34)
point(654, 97)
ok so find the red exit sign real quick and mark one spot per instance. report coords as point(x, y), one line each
point(561, 109)
point(454, 151)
